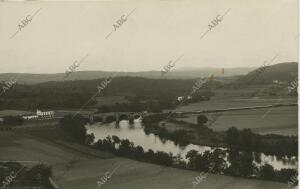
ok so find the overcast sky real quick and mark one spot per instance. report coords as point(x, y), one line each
point(155, 33)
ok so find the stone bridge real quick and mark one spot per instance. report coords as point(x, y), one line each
point(116, 116)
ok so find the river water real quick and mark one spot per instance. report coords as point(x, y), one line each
point(135, 133)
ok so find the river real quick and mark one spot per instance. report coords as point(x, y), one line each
point(135, 133)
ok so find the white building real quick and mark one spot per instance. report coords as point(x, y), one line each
point(48, 114)
point(1, 121)
point(39, 115)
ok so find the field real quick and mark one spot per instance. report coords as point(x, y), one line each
point(12, 112)
point(78, 167)
point(279, 120)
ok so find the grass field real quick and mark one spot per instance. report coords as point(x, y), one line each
point(12, 112)
point(78, 167)
point(279, 120)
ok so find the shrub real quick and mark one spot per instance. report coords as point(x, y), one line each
point(201, 119)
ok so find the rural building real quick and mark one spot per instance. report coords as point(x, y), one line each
point(48, 114)
point(1, 121)
point(39, 115)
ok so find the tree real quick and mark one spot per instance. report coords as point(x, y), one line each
point(116, 140)
point(201, 119)
point(150, 155)
point(191, 156)
point(246, 165)
point(203, 161)
point(108, 144)
point(75, 126)
point(138, 152)
point(218, 159)
point(163, 158)
point(89, 138)
point(246, 140)
point(241, 163)
point(267, 172)
point(232, 135)
point(126, 148)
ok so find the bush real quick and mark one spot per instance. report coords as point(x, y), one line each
point(75, 127)
point(267, 172)
point(201, 119)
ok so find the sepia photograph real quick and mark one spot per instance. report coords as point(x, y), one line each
point(149, 94)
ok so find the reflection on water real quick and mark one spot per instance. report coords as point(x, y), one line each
point(135, 133)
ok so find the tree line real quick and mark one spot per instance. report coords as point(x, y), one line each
point(241, 164)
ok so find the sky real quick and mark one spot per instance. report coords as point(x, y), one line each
point(155, 33)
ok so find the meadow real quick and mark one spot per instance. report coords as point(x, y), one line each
point(279, 120)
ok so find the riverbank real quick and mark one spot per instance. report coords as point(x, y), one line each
point(167, 127)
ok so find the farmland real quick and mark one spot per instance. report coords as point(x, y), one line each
point(279, 120)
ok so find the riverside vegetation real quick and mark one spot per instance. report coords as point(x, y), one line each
point(242, 140)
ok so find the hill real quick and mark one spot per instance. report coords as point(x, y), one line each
point(73, 94)
point(283, 72)
point(181, 73)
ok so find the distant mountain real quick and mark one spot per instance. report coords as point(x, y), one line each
point(285, 72)
point(181, 73)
